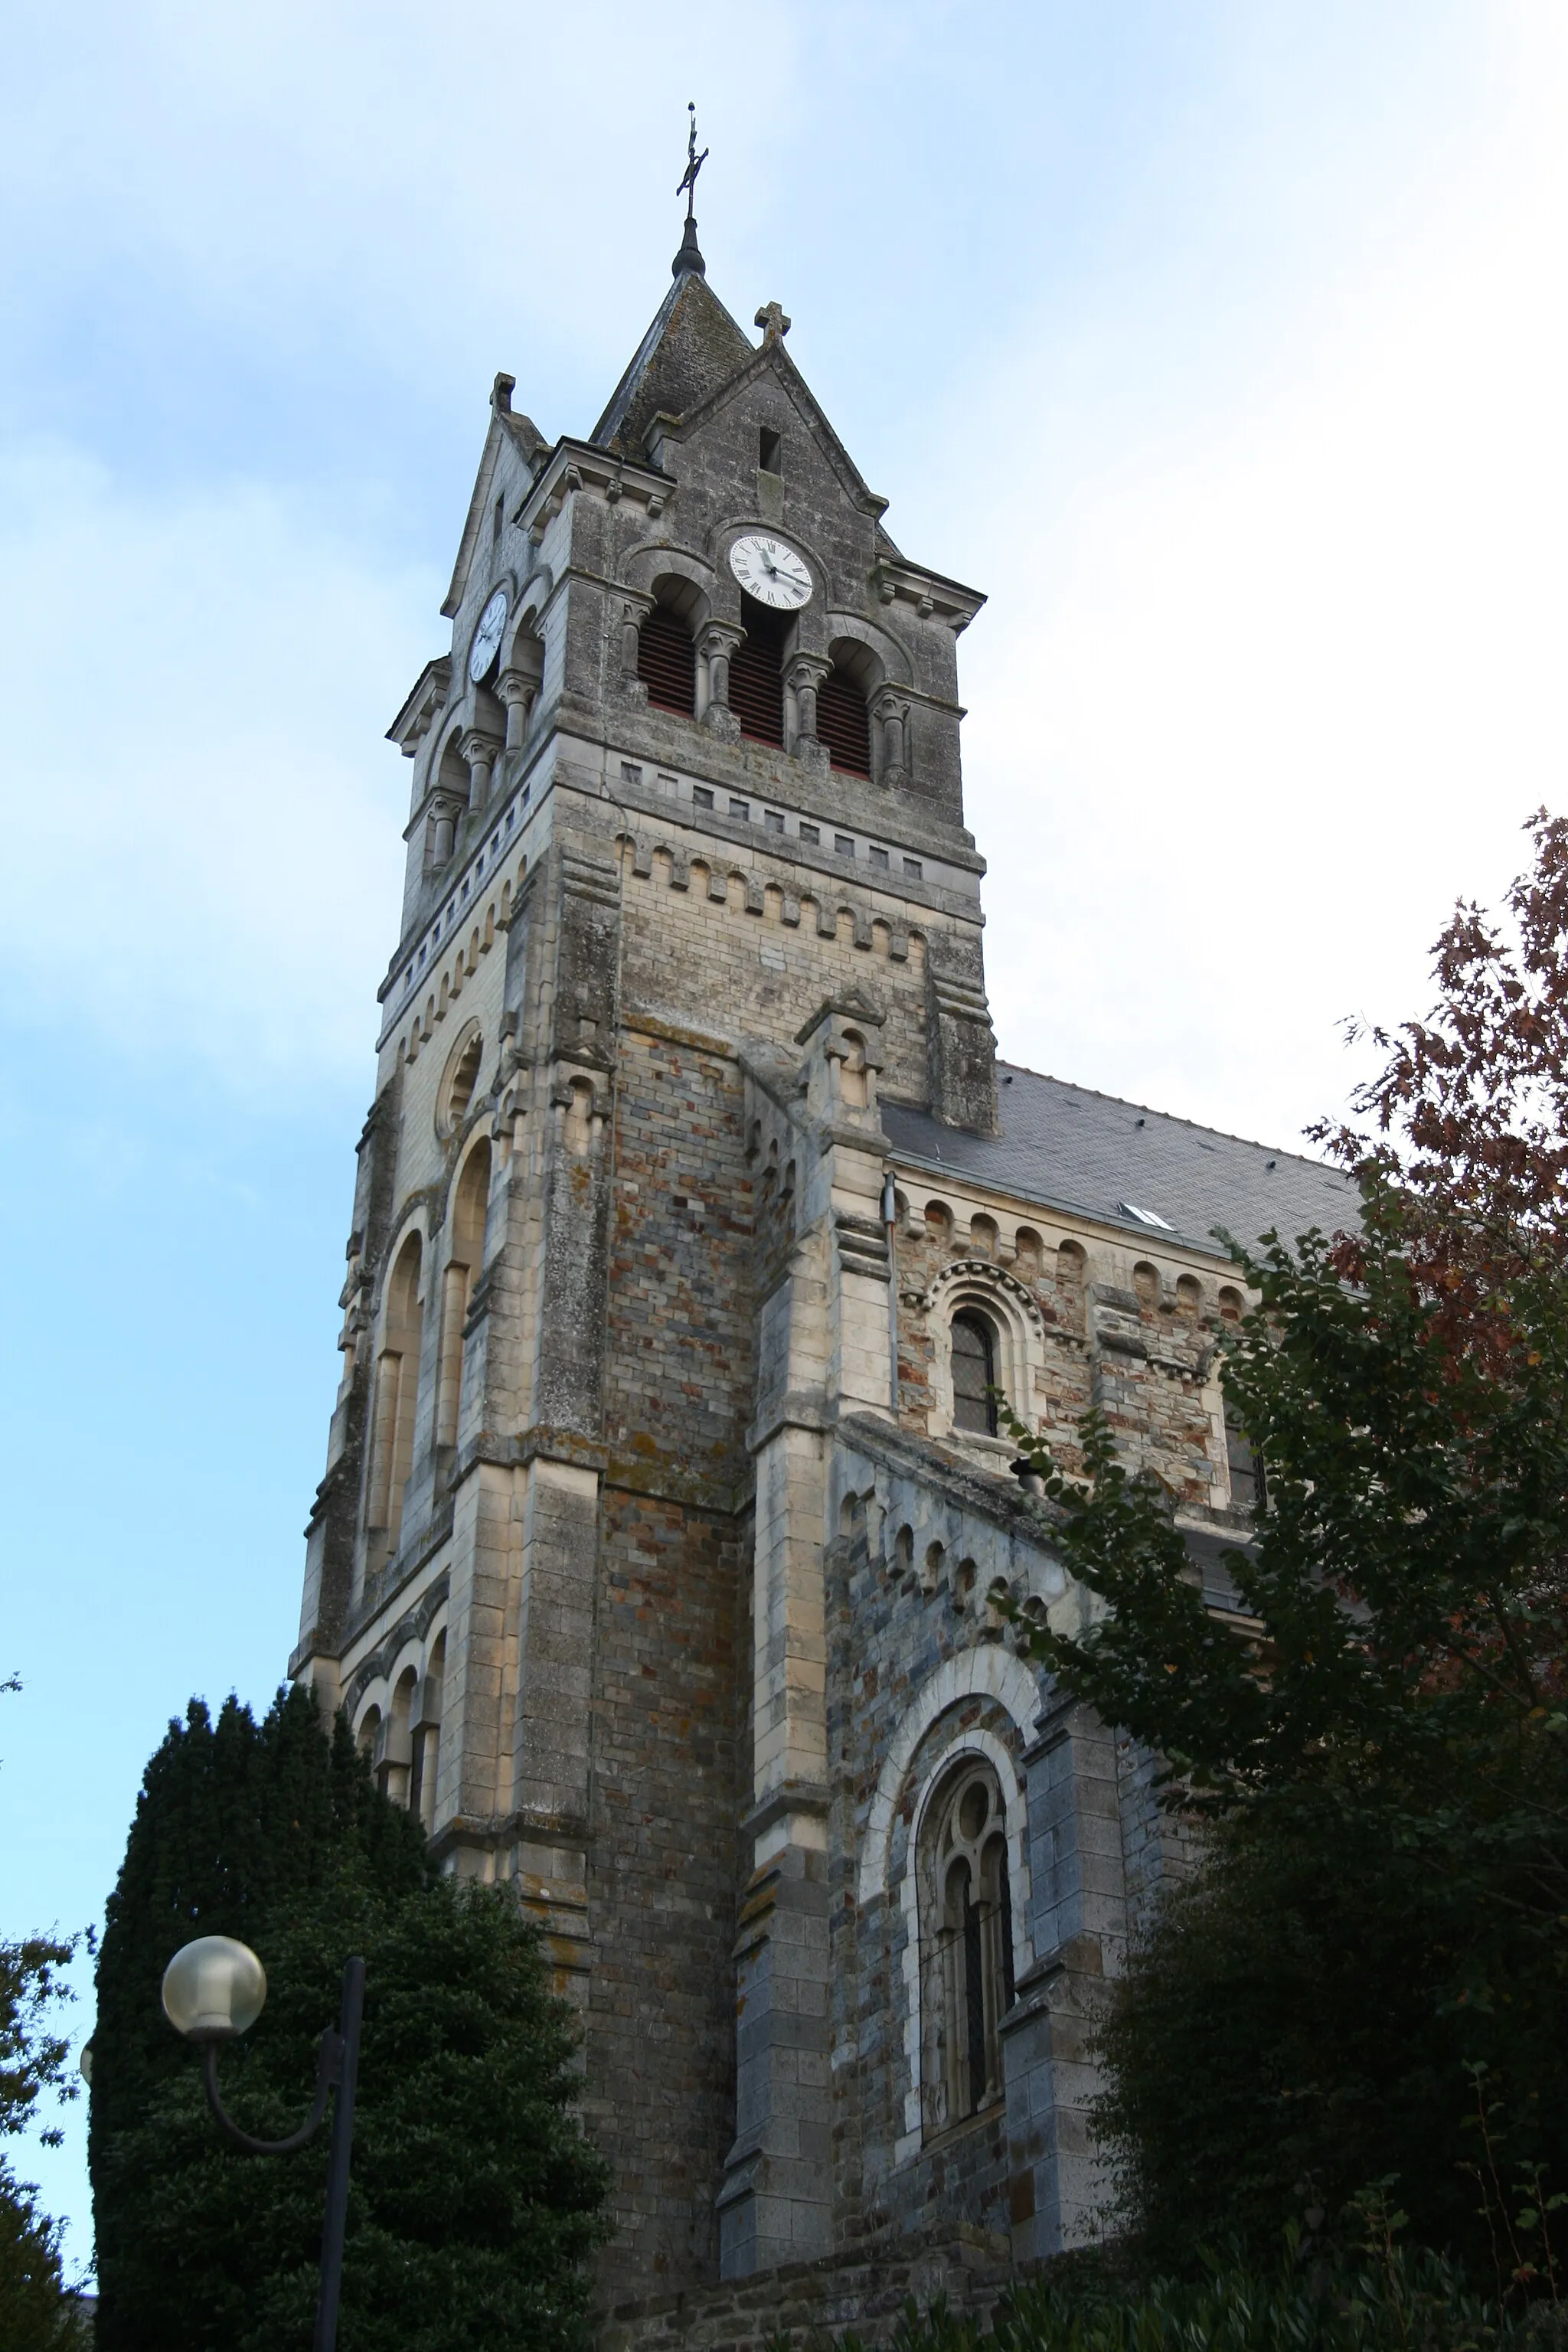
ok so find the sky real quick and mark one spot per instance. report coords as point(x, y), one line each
point(1222, 345)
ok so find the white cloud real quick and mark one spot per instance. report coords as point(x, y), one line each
point(202, 833)
point(1279, 683)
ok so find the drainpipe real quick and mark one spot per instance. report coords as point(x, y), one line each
point(890, 1219)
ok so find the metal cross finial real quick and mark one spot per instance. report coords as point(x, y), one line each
point(694, 163)
point(689, 258)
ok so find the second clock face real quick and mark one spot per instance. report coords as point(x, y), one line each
point(770, 572)
point(488, 636)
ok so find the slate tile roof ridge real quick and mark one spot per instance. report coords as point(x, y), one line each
point(1171, 1117)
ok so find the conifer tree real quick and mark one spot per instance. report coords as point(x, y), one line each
point(475, 2200)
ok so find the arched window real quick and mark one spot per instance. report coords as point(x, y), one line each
point(757, 673)
point(395, 1763)
point(456, 1088)
point(667, 661)
point(967, 1947)
point(1245, 1469)
point(973, 1374)
point(427, 1737)
point(843, 722)
point(453, 774)
point(462, 1272)
point(396, 1393)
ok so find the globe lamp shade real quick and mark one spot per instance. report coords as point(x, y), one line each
point(214, 1989)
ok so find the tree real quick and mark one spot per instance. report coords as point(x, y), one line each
point(37, 2314)
point(1372, 1956)
point(475, 2200)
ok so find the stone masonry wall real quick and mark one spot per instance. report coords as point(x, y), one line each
point(660, 2096)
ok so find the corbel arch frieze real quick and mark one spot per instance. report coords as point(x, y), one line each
point(639, 852)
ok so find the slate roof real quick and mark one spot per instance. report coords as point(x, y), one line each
point(692, 346)
point(1066, 1146)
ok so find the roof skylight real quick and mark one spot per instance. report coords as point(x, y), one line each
point(1145, 1216)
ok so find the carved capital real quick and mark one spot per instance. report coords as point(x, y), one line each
point(441, 825)
point(482, 750)
point(634, 610)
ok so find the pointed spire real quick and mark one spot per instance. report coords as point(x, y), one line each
point(690, 254)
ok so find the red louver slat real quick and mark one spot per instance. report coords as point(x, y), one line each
point(667, 662)
point(756, 675)
point(842, 724)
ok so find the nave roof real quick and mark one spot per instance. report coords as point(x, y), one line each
point(1066, 1146)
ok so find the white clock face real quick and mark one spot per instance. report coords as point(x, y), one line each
point(770, 572)
point(488, 635)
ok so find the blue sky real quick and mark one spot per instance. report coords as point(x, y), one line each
point(1223, 345)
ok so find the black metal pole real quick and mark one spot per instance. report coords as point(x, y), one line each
point(338, 2160)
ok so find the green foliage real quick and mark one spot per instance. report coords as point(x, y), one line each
point(1371, 1963)
point(475, 2200)
point(1376, 2298)
point(36, 2314)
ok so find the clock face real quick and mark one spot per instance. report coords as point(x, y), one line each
point(487, 637)
point(770, 572)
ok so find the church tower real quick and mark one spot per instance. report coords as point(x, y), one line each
point(696, 1230)
point(686, 858)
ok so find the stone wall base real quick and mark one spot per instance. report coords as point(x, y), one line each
point(864, 2288)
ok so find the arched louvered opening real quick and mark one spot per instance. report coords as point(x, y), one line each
point(667, 661)
point(843, 722)
point(756, 673)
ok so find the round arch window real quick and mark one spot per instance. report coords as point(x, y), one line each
point(459, 1079)
point(973, 1374)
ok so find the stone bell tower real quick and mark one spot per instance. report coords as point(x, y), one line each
point(689, 899)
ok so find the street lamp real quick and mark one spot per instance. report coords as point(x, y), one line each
point(214, 1990)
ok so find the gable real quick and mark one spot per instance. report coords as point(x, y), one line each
point(773, 360)
point(525, 436)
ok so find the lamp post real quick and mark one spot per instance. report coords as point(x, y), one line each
point(213, 1991)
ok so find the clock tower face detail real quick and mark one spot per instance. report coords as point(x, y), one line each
point(770, 572)
point(660, 1510)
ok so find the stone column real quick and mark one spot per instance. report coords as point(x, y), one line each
point(804, 676)
point(442, 823)
point(720, 639)
point(481, 749)
point(889, 714)
point(634, 611)
point(517, 692)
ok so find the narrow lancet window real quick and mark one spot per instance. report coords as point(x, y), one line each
point(967, 1972)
